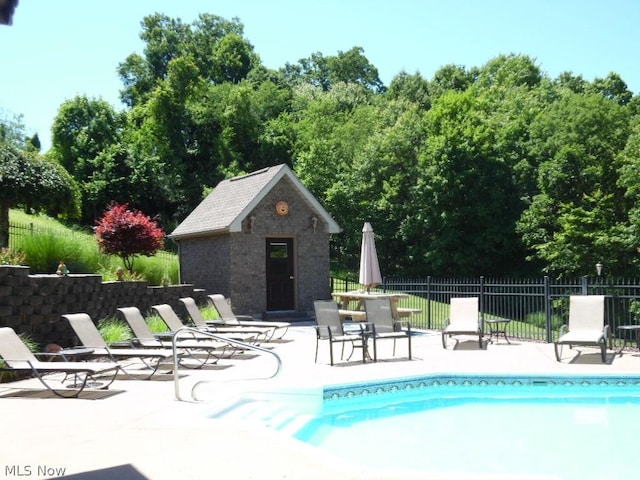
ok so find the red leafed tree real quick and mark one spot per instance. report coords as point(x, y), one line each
point(127, 233)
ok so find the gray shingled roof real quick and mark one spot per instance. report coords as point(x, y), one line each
point(224, 209)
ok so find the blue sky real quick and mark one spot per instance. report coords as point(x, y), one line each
point(58, 49)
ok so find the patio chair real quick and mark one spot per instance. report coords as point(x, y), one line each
point(329, 327)
point(260, 333)
point(18, 358)
point(380, 319)
point(170, 317)
point(585, 326)
point(90, 337)
point(212, 350)
point(229, 318)
point(464, 319)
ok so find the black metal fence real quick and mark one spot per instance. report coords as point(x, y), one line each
point(536, 307)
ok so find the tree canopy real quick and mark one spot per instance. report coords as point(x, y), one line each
point(30, 181)
point(493, 169)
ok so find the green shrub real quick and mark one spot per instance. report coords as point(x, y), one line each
point(539, 319)
point(114, 330)
point(156, 324)
point(9, 257)
point(209, 312)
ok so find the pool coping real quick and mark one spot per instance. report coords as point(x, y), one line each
point(390, 385)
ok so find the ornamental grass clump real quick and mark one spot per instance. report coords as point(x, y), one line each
point(114, 330)
point(156, 324)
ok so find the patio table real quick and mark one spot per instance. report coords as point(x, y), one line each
point(497, 327)
point(352, 304)
point(627, 331)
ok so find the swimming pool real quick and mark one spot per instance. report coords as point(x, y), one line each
point(570, 427)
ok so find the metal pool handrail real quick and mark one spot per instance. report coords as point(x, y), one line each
point(232, 341)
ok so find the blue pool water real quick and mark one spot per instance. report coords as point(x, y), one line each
point(570, 427)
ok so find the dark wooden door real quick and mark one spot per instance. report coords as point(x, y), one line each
point(280, 274)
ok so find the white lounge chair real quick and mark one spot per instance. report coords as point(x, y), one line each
point(213, 350)
point(17, 357)
point(90, 337)
point(464, 319)
point(585, 326)
point(260, 333)
point(230, 319)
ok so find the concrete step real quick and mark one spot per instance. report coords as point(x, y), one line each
point(292, 316)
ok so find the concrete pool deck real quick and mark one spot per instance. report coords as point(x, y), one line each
point(137, 430)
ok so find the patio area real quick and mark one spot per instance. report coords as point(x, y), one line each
point(137, 430)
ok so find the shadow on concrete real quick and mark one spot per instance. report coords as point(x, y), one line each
point(121, 472)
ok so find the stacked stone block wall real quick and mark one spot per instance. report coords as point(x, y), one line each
point(34, 304)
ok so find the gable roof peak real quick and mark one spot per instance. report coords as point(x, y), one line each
point(233, 199)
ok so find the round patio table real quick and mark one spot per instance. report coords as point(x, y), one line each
point(628, 331)
point(497, 327)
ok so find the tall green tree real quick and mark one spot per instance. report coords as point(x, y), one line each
point(576, 218)
point(12, 129)
point(412, 88)
point(30, 181)
point(466, 193)
point(351, 66)
point(82, 131)
point(216, 46)
point(629, 181)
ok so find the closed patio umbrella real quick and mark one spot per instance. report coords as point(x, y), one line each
point(369, 266)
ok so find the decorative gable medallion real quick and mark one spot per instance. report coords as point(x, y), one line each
point(282, 208)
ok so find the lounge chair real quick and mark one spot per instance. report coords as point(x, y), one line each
point(380, 319)
point(18, 358)
point(170, 317)
point(585, 326)
point(231, 319)
point(329, 327)
point(90, 337)
point(213, 350)
point(260, 333)
point(464, 319)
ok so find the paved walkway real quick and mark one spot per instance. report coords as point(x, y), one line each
point(137, 430)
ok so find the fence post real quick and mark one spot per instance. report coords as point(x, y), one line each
point(585, 285)
point(482, 300)
point(547, 309)
point(429, 302)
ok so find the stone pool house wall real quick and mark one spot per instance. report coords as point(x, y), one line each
point(227, 243)
point(33, 304)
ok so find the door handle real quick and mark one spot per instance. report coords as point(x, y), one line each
point(291, 277)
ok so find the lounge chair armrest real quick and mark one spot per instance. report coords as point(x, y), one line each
point(563, 329)
point(217, 321)
point(122, 344)
point(606, 333)
point(47, 355)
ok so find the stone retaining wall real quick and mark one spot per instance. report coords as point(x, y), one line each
point(33, 304)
